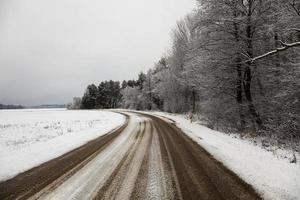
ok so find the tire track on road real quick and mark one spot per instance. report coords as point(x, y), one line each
point(86, 182)
point(115, 181)
point(200, 176)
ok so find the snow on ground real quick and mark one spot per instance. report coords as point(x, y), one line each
point(30, 137)
point(273, 177)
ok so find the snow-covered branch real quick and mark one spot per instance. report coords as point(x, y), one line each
point(285, 47)
point(295, 29)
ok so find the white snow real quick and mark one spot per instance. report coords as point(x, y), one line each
point(31, 137)
point(273, 177)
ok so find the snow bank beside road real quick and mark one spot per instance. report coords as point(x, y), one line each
point(31, 137)
point(272, 177)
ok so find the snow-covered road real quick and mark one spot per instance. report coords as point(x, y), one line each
point(147, 158)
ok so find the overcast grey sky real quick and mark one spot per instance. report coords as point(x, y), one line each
point(51, 49)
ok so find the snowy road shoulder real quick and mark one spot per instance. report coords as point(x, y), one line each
point(29, 138)
point(272, 177)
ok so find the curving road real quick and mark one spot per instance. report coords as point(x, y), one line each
point(146, 158)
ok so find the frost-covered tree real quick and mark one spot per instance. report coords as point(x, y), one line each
point(132, 98)
point(76, 104)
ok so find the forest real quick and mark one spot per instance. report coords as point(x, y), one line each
point(234, 64)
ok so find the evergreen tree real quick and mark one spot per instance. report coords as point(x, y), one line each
point(89, 97)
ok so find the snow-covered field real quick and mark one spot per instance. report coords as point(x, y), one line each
point(272, 175)
point(32, 136)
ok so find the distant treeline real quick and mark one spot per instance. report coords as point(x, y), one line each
point(2, 106)
point(47, 106)
point(105, 95)
point(108, 94)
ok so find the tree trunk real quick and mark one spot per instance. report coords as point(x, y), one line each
point(247, 89)
point(239, 85)
point(239, 94)
point(186, 99)
point(194, 101)
point(247, 79)
point(150, 95)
